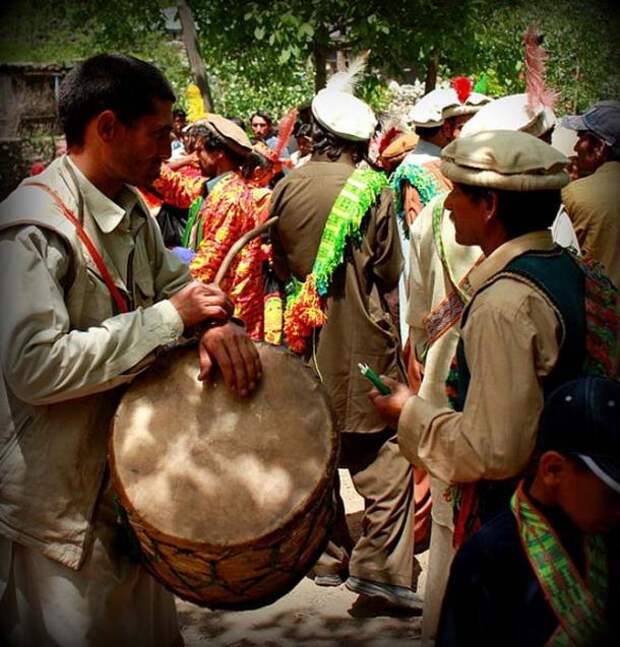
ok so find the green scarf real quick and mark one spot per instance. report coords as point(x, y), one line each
point(578, 604)
point(305, 308)
point(192, 216)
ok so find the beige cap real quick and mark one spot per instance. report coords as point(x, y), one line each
point(511, 113)
point(400, 146)
point(233, 136)
point(344, 115)
point(504, 159)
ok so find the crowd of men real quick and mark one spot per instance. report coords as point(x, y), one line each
point(456, 257)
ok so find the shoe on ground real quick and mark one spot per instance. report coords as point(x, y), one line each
point(329, 579)
point(399, 596)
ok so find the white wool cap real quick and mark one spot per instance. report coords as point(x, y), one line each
point(344, 115)
point(511, 113)
point(438, 105)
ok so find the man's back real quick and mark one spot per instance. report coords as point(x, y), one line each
point(359, 327)
point(593, 204)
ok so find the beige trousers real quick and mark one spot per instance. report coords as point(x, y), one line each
point(439, 561)
point(383, 477)
point(109, 602)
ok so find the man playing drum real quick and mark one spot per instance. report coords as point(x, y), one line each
point(90, 295)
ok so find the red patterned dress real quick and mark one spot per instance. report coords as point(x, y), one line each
point(228, 212)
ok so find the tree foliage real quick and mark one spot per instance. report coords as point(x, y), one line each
point(273, 55)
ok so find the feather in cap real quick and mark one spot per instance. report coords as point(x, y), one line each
point(285, 130)
point(535, 56)
point(463, 87)
point(347, 80)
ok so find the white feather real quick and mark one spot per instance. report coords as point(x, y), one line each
point(347, 80)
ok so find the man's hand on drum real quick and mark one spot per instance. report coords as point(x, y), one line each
point(198, 302)
point(390, 406)
point(236, 355)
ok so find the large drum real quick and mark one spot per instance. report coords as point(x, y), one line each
point(230, 498)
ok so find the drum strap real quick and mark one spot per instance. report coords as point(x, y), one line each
point(119, 300)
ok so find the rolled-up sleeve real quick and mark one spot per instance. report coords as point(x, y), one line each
point(508, 351)
point(43, 361)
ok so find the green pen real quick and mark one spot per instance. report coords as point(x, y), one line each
point(366, 371)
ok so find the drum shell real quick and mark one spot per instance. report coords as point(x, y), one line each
point(242, 575)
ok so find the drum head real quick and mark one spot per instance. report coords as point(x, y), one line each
point(197, 463)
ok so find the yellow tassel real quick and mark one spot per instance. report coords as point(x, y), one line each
point(195, 103)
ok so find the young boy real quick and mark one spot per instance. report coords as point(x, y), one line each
point(544, 572)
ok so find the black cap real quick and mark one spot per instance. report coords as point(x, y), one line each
point(582, 418)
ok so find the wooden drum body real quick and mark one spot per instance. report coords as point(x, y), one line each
point(230, 498)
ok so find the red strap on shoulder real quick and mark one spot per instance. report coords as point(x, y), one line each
point(121, 304)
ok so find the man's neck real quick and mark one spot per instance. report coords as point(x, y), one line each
point(224, 166)
point(570, 536)
point(492, 242)
point(95, 173)
point(345, 158)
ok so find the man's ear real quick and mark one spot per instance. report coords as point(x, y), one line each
point(107, 125)
point(491, 202)
point(601, 149)
point(551, 467)
point(447, 130)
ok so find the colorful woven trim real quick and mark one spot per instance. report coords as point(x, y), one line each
point(579, 605)
point(601, 320)
point(305, 307)
point(425, 183)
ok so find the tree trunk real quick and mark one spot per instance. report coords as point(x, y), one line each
point(431, 71)
point(192, 46)
point(341, 61)
point(319, 54)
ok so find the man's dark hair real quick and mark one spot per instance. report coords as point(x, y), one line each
point(520, 212)
point(427, 133)
point(179, 112)
point(212, 142)
point(115, 82)
point(325, 142)
point(303, 130)
point(262, 115)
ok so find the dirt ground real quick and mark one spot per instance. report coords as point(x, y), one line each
point(308, 614)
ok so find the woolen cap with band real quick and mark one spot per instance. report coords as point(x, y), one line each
point(231, 135)
point(440, 104)
point(504, 159)
point(582, 418)
point(400, 147)
point(344, 115)
point(511, 113)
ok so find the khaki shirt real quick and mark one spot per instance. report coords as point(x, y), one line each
point(430, 284)
point(593, 205)
point(359, 327)
point(512, 340)
point(64, 349)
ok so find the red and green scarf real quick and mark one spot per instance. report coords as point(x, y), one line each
point(577, 602)
point(305, 308)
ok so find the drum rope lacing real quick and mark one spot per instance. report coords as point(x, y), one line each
point(134, 527)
